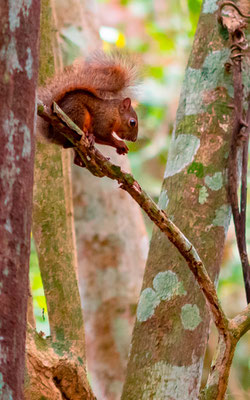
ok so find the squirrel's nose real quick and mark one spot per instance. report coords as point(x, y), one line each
point(133, 139)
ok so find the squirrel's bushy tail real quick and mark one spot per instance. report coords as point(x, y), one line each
point(115, 73)
point(107, 76)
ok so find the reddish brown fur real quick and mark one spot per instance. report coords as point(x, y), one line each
point(105, 76)
point(92, 93)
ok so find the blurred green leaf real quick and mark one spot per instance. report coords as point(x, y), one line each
point(156, 71)
point(39, 300)
point(165, 42)
point(36, 282)
point(194, 6)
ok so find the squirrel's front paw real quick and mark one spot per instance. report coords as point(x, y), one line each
point(122, 148)
point(91, 139)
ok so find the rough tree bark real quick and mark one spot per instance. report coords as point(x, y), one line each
point(112, 247)
point(112, 256)
point(172, 313)
point(18, 77)
point(56, 365)
point(53, 233)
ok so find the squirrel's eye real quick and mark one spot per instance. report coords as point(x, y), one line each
point(132, 122)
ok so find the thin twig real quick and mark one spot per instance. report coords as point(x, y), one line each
point(244, 256)
point(232, 4)
point(239, 140)
point(220, 367)
point(240, 324)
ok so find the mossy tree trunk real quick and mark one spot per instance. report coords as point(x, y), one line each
point(172, 327)
point(53, 231)
point(56, 365)
point(18, 78)
point(112, 245)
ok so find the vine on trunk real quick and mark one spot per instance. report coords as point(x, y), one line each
point(234, 21)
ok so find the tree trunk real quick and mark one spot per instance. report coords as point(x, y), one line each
point(18, 77)
point(112, 247)
point(53, 230)
point(172, 327)
point(56, 366)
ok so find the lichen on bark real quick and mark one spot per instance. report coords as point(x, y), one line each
point(197, 201)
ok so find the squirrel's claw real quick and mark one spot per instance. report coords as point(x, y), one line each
point(91, 139)
point(122, 148)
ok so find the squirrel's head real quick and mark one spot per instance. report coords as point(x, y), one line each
point(128, 129)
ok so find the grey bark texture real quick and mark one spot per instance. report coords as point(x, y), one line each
point(18, 78)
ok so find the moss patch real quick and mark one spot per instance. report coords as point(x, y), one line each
point(197, 169)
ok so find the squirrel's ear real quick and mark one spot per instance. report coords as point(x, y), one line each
point(125, 104)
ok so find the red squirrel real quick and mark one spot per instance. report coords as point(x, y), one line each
point(95, 94)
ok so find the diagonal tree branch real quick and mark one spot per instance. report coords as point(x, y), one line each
point(100, 166)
